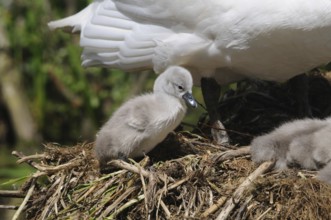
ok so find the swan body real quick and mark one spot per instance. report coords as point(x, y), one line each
point(227, 40)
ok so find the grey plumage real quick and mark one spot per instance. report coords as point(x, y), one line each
point(322, 152)
point(275, 145)
point(305, 143)
point(313, 150)
point(268, 147)
point(322, 145)
point(325, 173)
point(300, 152)
point(144, 121)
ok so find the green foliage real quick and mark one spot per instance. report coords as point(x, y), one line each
point(69, 103)
point(65, 98)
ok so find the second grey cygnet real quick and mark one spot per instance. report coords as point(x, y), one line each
point(305, 143)
point(275, 145)
point(144, 121)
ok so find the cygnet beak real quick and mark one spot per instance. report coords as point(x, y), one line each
point(189, 99)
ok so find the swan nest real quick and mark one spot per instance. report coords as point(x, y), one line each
point(185, 177)
point(207, 183)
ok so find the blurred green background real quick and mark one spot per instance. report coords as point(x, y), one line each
point(45, 94)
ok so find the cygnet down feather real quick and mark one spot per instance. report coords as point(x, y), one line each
point(275, 145)
point(325, 174)
point(322, 153)
point(322, 146)
point(313, 150)
point(305, 143)
point(144, 121)
point(300, 153)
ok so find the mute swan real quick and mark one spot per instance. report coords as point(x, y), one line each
point(218, 41)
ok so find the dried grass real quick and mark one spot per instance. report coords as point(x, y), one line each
point(203, 183)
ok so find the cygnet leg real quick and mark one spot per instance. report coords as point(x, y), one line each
point(211, 92)
point(300, 88)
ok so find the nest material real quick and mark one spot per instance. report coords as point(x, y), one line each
point(186, 177)
point(207, 183)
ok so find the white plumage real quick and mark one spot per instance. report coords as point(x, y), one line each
point(144, 121)
point(225, 39)
point(216, 40)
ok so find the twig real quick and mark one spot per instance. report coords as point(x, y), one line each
point(126, 205)
point(12, 193)
point(26, 199)
point(178, 183)
point(48, 169)
point(14, 207)
point(242, 151)
point(145, 193)
point(117, 202)
point(237, 195)
point(214, 207)
point(208, 144)
point(240, 212)
point(38, 174)
point(51, 203)
point(26, 158)
point(21, 156)
point(124, 165)
point(91, 190)
point(165, 209)
point(264, 213)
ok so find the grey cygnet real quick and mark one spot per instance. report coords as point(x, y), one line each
point(325, 173)
point(313, 151)
point(305, 143)
point(144, 121)
point(275, 145)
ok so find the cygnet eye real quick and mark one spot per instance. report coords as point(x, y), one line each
point(181, 88)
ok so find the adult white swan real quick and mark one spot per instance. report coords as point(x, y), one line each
point(218, 41)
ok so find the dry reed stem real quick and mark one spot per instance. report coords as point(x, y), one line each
point(47, 169)
point(117, 202)
point(165, 209)
point(12, 193)
point(124, 165)
point(230, 154)
point(30, 157)
point(264, 213)
point(214, 207)
point(238, 194)
point(11, 207)
point(126, 205)
point(26, 199)
point(184, 187)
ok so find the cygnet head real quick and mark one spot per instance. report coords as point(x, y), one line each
point(176, 81)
